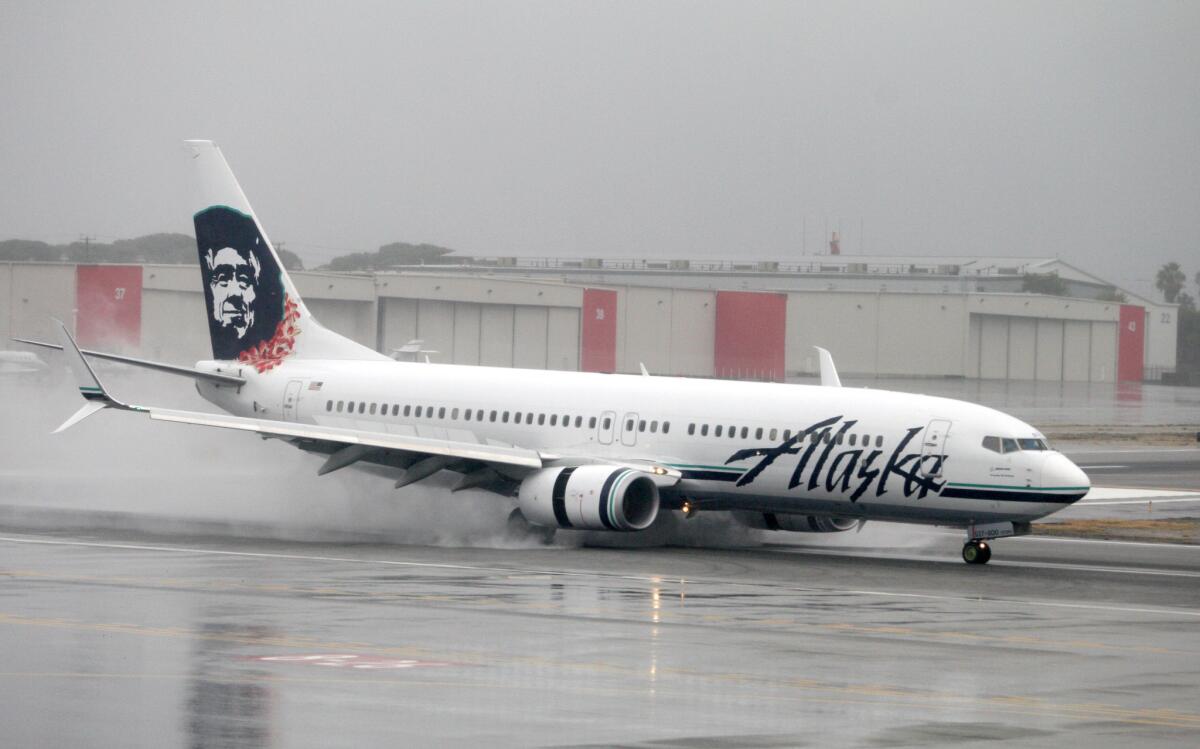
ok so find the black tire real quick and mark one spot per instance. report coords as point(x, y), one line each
point(970, 553)
point(985, 553)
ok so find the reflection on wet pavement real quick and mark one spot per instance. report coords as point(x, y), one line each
point(238, 644)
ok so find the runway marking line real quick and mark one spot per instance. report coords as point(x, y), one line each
point(1149, 500)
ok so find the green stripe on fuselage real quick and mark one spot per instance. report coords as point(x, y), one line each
point(1022, 488)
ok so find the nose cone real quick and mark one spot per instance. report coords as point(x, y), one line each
point(1062, 476)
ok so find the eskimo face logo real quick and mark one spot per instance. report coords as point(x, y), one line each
point(243, 285)
point(233, 283)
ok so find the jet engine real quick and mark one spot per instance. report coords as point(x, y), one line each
point(779, 521)
point(593, 497)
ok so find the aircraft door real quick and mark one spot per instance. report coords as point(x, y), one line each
point(933, 448)
point(629, 425)
point(604, 431)
point(291, 400)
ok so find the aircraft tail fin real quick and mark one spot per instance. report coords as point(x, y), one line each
point(255, 313)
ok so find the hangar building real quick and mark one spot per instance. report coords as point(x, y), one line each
point(910, 317)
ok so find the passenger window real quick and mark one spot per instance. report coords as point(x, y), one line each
point(442, 412)
point(418, 412)
point(373, 407)
point(853, 439)
point(773, 434)
point(704, 430)
point(691, 428)
point(566, 420)
point(666, 427)
point(1010, 445)
point(529, 418)
point(541, 419)
point(866, 440)
point(553, 420)
point(383, 410)
point(732, 432)
point(787, 434)
point(758, 433)
point(395, 409)
point(717, 431)
point(340, 404)
point(653, 427)
point(629, 425)
point(504, 417)
point(350, 407)
point(516, 417)
point(642, 425)
point(607, 422)
point(467, 414)
point(328, 405)
point(492, 417)
point(578, 421)
point(879, 440)
point(479, 414)
point(454, 414)
point(992, 443)
point(745, 432)
point(592, 423)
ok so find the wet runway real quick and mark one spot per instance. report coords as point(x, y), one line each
point(117, 638)
point(1176, 468)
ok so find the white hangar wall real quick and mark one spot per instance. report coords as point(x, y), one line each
point(898, 334)
point(474, 320)
point(505, 321)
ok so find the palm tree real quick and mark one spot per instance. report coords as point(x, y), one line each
point(1170, 281)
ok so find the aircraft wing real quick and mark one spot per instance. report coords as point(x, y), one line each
point(482, 465)
point(333, 439)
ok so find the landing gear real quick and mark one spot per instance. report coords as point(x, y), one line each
point(976, 552)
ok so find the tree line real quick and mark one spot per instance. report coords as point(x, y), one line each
point(166, 248)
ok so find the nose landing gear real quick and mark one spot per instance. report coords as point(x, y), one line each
point(976, 552)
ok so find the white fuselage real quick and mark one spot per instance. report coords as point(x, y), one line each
point(769, 447)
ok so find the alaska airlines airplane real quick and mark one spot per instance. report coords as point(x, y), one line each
point(582, 450)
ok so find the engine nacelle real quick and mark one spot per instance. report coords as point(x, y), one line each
point(595, 498)
point(779, 521)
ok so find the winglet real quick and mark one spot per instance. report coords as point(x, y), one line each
point(829, 375)
point(89, 385)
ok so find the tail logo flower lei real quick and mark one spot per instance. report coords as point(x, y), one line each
point(270, 353)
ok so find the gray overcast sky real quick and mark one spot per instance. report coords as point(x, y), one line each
point(669, 129)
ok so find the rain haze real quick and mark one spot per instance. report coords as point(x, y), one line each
point(701, 130)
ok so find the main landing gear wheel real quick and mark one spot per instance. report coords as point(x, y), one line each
point(976, 552)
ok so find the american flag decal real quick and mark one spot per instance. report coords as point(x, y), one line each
point(315, 385)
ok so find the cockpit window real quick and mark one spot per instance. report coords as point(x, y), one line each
point(1008, 445)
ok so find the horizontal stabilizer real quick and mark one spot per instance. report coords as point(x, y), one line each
point(196, 374)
